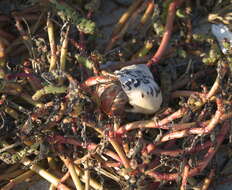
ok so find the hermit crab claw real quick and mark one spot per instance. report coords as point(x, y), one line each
point(142, 91)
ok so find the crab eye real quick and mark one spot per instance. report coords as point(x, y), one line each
point(143, 92)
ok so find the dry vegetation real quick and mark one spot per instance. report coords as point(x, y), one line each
point(54, 125)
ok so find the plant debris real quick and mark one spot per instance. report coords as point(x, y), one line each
point(77, 101)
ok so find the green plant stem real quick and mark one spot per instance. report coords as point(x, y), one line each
point(50, 89)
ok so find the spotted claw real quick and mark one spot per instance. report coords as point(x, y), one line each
point(143, 92)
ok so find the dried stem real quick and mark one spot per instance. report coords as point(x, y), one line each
point(93, 183)
point(19, 179)
point(185, 174)
point(64, 50)
point(52, 43)
point(87, 175)
point(118, 148)
point(43, 173)
point(71, 168)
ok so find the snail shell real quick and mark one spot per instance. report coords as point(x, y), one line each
point(112, 98)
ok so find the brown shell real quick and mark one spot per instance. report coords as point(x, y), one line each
point(112, 98)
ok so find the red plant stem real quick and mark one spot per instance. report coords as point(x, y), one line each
point(200, 166)
point(176, 115)
point(152, 124)
point(184, 177)
point(166, 112)
point(152, 149)
point(65, 177)
point(91, 81)
point(177, 127)
point(197, 131)
point(178, 152)
point(111, 164)
point(139, 125)
point(167, 34)
point(174, 127)
point(181, 126)
point(217, 82)
point(89, 146)
point(168, 145)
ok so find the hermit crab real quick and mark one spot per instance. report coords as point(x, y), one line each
point(131, 89)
